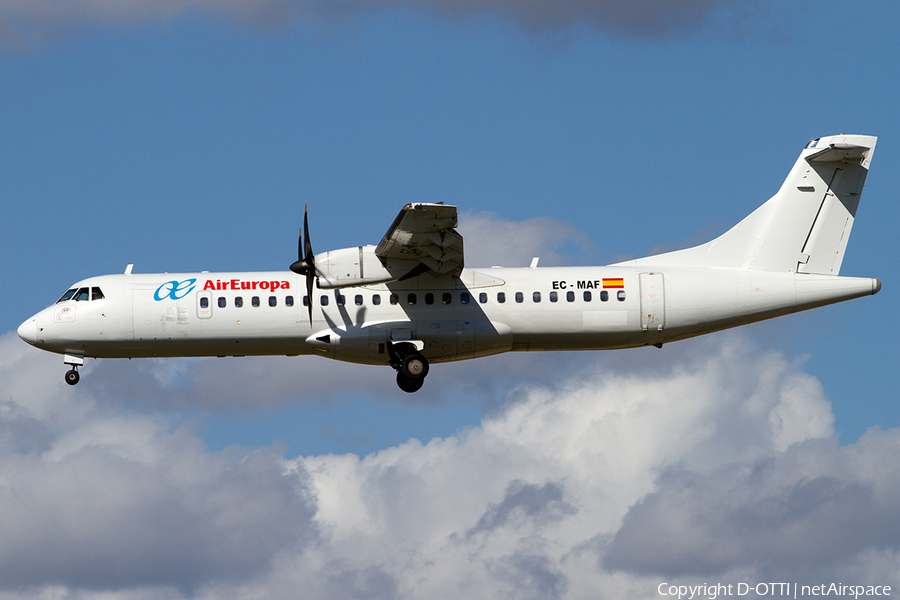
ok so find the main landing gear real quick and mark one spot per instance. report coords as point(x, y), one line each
point(411, 367)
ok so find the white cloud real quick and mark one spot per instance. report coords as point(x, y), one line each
point(490, 240)
point(802, 510)
point(24, 22)
point(524, 502)
point(718, 461)
point(105, 499)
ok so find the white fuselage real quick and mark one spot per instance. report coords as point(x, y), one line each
point(560, 308)
point(408, 301)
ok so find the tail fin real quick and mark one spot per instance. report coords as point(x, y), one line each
point(804, 227)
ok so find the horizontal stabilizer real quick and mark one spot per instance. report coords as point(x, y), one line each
point(841, 152)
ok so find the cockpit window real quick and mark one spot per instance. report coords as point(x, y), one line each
point(68, 295)
point(82, 294)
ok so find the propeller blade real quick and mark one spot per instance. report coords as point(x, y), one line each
point(306, 262)
point(300, 245)
point(307, 246)
point(309, 296)
point(310, 259)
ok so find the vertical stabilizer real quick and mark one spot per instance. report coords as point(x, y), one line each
point(804, 227)
point(828, 236)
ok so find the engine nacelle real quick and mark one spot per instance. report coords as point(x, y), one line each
point(358, 266)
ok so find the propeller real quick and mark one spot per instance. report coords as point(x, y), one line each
point(306, 262)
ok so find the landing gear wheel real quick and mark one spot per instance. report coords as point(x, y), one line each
point(414, 366)
point(72, 377)
point(409, 386)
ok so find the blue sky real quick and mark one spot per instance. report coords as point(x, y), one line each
point(190, 136)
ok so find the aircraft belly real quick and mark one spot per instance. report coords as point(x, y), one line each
point(483, 338)
point(444, 340)
point(191, 347)
point(611, 326)
point(459, 339)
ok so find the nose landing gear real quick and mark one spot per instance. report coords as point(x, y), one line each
point(75, 360)
point(72, 376)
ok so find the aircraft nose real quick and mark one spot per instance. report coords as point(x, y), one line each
point(28, 331)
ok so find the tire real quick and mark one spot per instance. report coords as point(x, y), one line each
point(410, 386)
point(414, 366)
point(72, 377)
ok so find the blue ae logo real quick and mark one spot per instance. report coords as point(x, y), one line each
point(174, 290)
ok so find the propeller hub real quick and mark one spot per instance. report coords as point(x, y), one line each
point(300, 267)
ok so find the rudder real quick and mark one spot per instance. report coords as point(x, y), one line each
point(823, 251)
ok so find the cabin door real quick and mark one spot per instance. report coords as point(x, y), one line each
point(653, 302)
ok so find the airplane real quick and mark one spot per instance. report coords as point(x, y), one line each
point(410, 302)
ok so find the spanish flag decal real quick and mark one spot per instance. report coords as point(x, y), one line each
point(613, 283)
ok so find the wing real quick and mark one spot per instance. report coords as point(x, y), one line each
point(425, 233)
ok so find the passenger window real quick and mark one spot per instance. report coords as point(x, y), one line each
point(204, 302)
point(447, 298)
point(82, 295)
point(411, 299)
point(536, 296)
point(429, 298)
point(67, 296)
point(358, 300)
point(376, 299)
point(570, 296)
point(587, 296)
point(621, 295)
point(305, 300)
point(554, 297)
point(324, 300)
point(222, 302)
point(288, 300)
point(464, 298)
point(604, 296)
point(482, 297)
point(238, 302)
point(273, 301)
point(520, 297)
point(96, 294)
point(501, 297)
point(395, 299)
point(341, 301)
point(255, 301)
